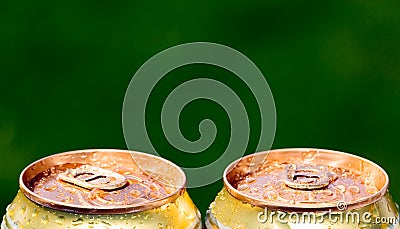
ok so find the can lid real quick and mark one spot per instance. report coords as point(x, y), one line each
point(102, 181)
point(306, 179)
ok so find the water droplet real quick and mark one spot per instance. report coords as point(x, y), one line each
point(190, 217)
point(18, 224)
point(372, 190)
point(127, 172)
point(34, 213)
point(341, 188)
point(327, 192)
point(22, 210)
point(354, 189)
point(242, 187)
point(240, 225)
point(253, 190)
point(77, 222)
point(309, 155)
point(45, 220)
point(60, 220)
point(68, 199)
point(105, 165)
point(52, 170)
point(270, 195)
point(250, 180)
point(94, 156)
point(106, 223)
point(50, 188)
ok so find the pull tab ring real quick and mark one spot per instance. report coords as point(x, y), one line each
point(306, 177)
point(91, 177)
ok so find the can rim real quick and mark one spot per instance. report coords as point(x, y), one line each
point(58, 205)
point(303, 207)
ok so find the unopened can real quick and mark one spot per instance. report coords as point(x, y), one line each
point(303, 188)
point(102, 189)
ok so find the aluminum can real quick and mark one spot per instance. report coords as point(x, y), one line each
point(303, 188)
point(102, 188)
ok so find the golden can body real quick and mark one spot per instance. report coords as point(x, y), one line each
point(102, 189)
point(303, 188)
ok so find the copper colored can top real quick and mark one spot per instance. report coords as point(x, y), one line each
point(102, 181)
point(295, 179)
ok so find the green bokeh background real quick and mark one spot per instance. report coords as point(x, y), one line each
point(333, 68)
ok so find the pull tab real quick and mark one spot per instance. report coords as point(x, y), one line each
point(306, 176)
point(91, 177)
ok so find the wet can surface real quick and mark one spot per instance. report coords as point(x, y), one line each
point(303, 188)
point(102, 189)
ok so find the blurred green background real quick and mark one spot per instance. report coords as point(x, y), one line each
point(333, 68)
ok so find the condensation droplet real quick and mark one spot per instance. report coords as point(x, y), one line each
point(77, 222)
point(250, 180)
point(372, 190)
point(94, 156)
point(45, 220)
point(22, 210)
point(60, 220)
point(190, 217)
point(242, 187)
point(52, 170)
point(34, 213)
point(68, 199)
point(106, 223)
point(270, 195)
point(253, 190)
point(341, 188)
point(354, 189)
point(50, 188)
point(327, 192)
point(309, 155)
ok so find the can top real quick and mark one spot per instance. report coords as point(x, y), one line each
point(305, 179)
point(102, 181)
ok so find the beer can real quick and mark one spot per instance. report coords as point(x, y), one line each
point(303, 188)
point(102, 188)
